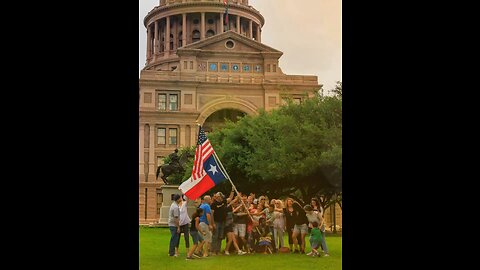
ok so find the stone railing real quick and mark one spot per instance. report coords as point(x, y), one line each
point(227, 78)
point(170, 2)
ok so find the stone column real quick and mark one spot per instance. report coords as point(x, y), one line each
point(250, 29)
point(167, 37)
point(259, 39)
point(156, 43)
point(161, 28)
point(238, 24)
point(151, 154)
point(184, 29)
point(175, 34)
point(188, 136)
point(141, 151)
point(149, 49)
point(182, 136)
point(221, 23)
point(194, 134)
point(202, 26)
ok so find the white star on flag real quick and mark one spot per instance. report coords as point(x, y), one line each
point(213, 169)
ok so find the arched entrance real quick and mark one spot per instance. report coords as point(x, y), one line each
point(213, 114)
point(217, 119)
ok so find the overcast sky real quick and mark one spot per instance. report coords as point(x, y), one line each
point(308, 32)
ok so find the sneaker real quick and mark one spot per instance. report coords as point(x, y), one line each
point(189, 258)
point(227, 253)
point(196, 256)
point(326, 255)
point(241, 252)
point(310, 253)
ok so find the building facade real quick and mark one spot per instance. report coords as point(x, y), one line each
point(200, 69)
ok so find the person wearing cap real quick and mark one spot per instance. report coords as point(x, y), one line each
point(174, 223)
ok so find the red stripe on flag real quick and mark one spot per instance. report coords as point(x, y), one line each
point(203, 152)
point(207, 150)
point(201, 187)
point(198, 163)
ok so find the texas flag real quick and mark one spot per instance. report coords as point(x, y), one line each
point(206, 172)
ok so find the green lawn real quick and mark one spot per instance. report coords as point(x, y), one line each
point(154, 256)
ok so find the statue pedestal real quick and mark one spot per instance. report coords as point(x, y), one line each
point(168, 191)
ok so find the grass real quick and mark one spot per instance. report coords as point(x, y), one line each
point(154, 256)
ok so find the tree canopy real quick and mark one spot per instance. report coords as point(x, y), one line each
point(295, 150)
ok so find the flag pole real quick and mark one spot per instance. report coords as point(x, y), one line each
point(225, 171)
point(227, 22)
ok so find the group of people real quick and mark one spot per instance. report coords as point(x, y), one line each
point(249, 225)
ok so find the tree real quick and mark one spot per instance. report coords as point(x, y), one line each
point(338, 89)
point(295, 150)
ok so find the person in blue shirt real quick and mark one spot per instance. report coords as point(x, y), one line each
point(206, 223)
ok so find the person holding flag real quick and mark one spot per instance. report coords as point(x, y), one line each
point(207, 172)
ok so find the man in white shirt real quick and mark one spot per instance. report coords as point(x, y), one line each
point(174, 224)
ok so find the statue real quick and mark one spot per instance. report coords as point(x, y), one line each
point(175, 160)
point(175, 166)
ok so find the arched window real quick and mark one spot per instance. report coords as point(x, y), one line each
point(195, 35)
point(210, 33)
